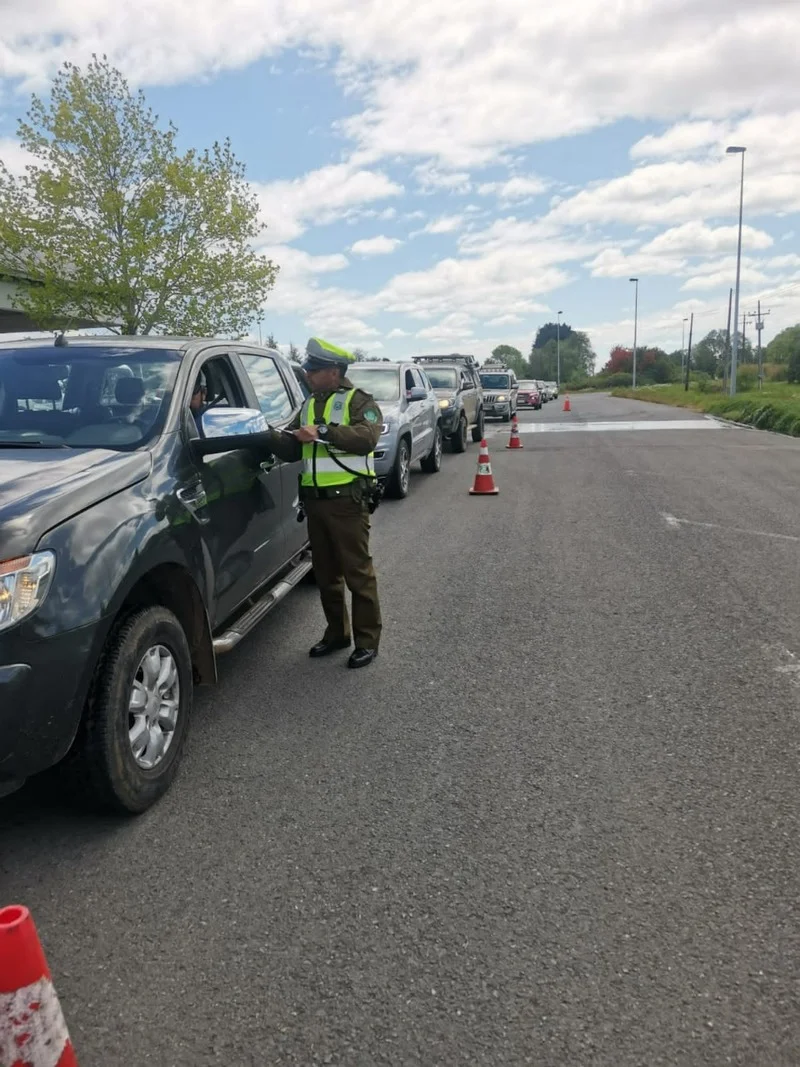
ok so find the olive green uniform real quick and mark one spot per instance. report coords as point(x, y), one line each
point(339, 524)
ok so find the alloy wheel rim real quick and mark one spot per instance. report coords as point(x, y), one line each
point(153, 707)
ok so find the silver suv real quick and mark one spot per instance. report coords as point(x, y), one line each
point(412, 426)
point(500, 388)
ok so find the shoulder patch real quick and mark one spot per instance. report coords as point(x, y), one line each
point(370, 415)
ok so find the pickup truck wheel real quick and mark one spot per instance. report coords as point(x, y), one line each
point(433, 461)
point(459, 437)
point(478, 430)
point(137, 714)
point(401, 473)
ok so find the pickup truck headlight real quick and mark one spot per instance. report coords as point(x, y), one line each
point(24, 583)
point(502, 397)
point(385, 428)
point(446, 404)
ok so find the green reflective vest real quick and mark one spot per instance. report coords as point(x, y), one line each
point(320, 469)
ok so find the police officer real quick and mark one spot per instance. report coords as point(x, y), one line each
point(335, 435)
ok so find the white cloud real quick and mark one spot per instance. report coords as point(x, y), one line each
point(397, 332)
point(461, 87)
point(375, 246)
point(684, 139)
point(321, 196)
point(517, 188)
point(445, 224)
point(696, 239)
point(14, 155)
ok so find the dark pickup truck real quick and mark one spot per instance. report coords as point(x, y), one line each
point(130, 557)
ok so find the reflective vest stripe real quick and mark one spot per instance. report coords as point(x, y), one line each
point(319, 467)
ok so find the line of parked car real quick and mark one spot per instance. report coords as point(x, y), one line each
point(131, 557)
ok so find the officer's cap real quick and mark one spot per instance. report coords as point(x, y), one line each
point(322, 354)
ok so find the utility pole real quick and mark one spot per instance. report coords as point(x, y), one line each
point(759, 328)
point(744, 333)
point(689, 354)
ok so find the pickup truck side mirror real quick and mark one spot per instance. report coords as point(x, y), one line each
point(220, 423)
point(415, 394)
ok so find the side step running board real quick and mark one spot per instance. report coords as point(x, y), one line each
point(253, 616)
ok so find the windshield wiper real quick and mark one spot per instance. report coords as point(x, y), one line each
point(29, 442)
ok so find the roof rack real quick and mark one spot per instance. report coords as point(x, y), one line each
point(454, 357)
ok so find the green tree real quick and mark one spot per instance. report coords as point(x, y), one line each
point(294, 353)
point(115, 226)
point(271, 342)
point(550, 332)
point(709, 354)
point(784, 345)
point(513, 358)
point(577, 358)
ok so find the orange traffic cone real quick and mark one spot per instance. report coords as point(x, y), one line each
point(484, 479)
point(515, 441)
point(567, 405)
point(32, 1028)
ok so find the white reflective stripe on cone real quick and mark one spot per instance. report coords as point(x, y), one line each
point(32, 1027)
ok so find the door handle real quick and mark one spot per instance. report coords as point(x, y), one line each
point(194, 498)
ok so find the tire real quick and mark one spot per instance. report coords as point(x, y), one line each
point(459, 438)
point(507, 418)
point(400, 478)
point(432, 463)
point(110, 775)
point(479, 430)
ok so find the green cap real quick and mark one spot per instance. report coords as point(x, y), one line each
point(321, 354)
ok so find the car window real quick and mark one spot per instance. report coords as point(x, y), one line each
point(495, 381)
point(442, 377)
point(273, 396)
point(382, 383)
point(85, 396)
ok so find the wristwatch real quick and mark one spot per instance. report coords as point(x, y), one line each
point(322, 430)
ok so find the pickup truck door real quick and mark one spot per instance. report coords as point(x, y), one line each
point(279, 400)
point(235, 498)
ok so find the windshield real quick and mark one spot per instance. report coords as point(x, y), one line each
point(495, 381)
point(383, 383)
point(442, 377)
point(84, 396)
point(528, 385)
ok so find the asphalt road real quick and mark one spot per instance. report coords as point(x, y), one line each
point(556, 823)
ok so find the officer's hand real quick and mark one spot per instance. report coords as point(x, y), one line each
point(306, 434)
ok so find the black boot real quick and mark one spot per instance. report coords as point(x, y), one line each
point(325, 648)
point(362, 657)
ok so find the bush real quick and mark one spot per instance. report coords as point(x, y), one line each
point(746, 379)
point(618, 381)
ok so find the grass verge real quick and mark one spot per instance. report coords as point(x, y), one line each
point(776, 407)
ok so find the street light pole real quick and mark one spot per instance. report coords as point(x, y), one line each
point(737, 150)
point(683, 344)
point(635, 327)
point(558, 350)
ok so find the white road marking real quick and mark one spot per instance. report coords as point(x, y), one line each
point(617, 426)
point(676, 523)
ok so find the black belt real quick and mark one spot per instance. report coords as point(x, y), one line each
point(333, 492)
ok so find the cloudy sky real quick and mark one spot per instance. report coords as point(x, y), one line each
point(440, 176)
